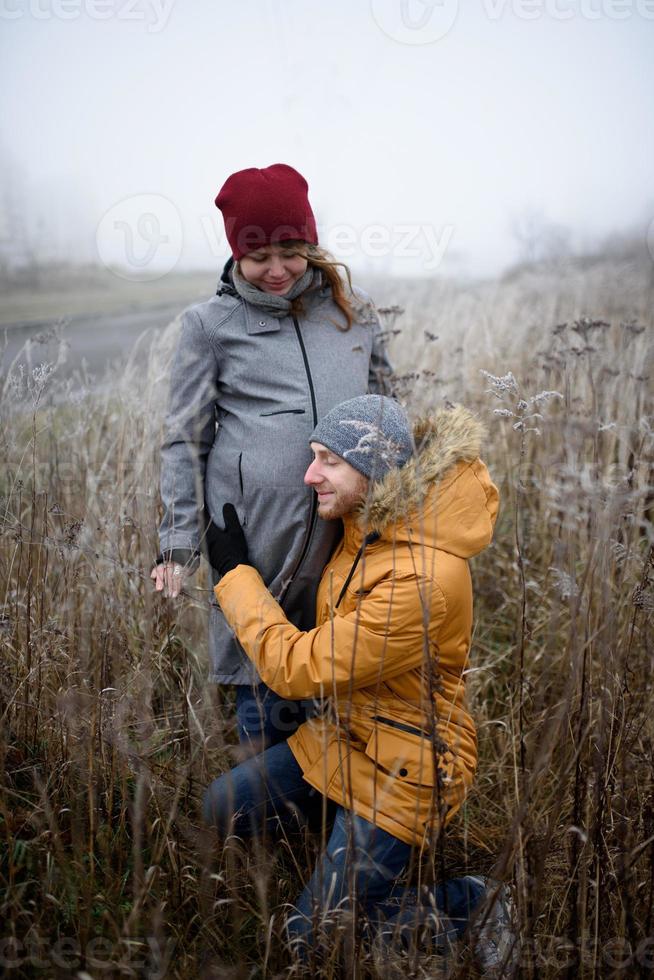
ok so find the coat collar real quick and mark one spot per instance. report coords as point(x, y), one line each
point(257, 321)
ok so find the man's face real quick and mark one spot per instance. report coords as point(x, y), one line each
point(340, 488)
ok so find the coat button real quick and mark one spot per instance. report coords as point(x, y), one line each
point(404, 772)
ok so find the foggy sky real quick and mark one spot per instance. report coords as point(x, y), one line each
point(508, 127)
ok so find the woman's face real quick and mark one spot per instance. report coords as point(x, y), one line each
point(273, 268)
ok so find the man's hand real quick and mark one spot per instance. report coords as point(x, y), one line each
point(226, 549)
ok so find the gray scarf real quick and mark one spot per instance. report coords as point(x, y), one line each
point(271, 303)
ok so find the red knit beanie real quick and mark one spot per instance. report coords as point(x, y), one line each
point(264, 207)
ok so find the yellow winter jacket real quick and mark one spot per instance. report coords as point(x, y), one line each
point(395, 742)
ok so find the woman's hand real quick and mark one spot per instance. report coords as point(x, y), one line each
point(169, 577)
point(226, 549)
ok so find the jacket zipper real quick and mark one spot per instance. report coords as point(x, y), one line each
point(400, 726)
point(308, 370)
point(369, 539)
point(313, 512)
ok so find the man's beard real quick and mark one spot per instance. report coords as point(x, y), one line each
point(344, 502)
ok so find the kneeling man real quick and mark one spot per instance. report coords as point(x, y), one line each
point(394, 748)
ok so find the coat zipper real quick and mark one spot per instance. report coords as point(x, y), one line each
point(313, 512)
point(400, 726)
point(308, 370)
point(369, 539)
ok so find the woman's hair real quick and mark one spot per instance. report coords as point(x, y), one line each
point(320, 258)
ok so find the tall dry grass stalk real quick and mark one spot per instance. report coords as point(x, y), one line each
point(109, 730)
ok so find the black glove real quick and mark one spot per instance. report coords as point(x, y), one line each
point(226, 549)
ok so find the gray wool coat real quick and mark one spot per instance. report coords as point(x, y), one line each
point(246, 391)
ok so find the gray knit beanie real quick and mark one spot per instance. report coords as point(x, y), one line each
point(371, 432)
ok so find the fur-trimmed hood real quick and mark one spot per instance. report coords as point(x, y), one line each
point(443, 496)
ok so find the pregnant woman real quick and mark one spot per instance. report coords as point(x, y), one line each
point(285, 339)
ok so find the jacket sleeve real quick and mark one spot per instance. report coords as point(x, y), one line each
point(384, 636)
point(189, 433)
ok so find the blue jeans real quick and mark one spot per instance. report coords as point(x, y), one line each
point(264, 718)
point(436, 916)
point(359, 867)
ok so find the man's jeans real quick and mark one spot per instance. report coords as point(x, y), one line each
point(264, 718)
point(359, 867)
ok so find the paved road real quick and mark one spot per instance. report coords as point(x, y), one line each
point(97, 338)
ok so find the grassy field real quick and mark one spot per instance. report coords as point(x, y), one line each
point(110, 732)
point(56, 292)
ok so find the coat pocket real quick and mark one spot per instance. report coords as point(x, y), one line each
point(224, 484)
point(240, 505)
point(408, 753)
point(283, 411)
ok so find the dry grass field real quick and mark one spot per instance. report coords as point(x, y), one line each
point(38, 295)
point(109, 731)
